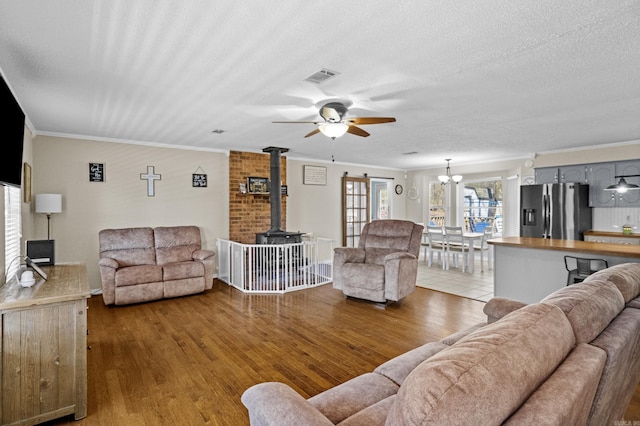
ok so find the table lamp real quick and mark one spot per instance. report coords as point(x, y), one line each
point(48, 204)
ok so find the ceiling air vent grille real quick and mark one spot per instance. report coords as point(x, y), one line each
point(321, 76)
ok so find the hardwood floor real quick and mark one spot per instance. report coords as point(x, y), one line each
point(186, 361)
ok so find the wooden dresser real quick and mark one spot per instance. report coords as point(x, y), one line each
point(43, 369)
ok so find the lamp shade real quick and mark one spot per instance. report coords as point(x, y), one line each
point(622, 186)
point(48, 203)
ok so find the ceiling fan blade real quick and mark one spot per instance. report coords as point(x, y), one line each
point(297, 122)
point(312, 133)
point(357, 131)
point(370, 120)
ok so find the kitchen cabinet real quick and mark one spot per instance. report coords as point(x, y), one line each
point(573, 173)
point(630, 198)
point(601, 175)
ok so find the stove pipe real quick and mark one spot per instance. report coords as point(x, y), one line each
point(275, 196)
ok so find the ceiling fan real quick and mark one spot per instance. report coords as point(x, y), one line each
point(335, 124)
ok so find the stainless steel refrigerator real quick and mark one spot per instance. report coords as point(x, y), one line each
point(555, 210)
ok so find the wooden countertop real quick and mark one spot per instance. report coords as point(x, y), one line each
point(65, 282)
point(611, 234)
point(623, 250)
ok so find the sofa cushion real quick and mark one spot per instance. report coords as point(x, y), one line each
point(361, 275)
point(398, 368)
point(374, 414)
point(453, 338)
point(621, 341)
point(181, 270)
point(565, 398)
point(141, 274)
point(589, 306)
point(377, 255)
point(128, 246)
point(625, 276)
point(352, 396)
point(395, 234)
point(487, 374)
point(176, 243)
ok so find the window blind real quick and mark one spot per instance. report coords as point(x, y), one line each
point(12, 229)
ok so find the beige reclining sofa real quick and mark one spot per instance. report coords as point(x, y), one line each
point(143, 264)
point(571, 359)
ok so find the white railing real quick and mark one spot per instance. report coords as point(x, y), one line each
point(275, 268)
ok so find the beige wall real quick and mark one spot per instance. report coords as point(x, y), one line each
point(317, 209)
point(62, 166)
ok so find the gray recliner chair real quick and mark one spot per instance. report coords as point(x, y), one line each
point(384, 266)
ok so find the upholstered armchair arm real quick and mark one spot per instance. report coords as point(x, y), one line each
point(342, 255)
point(400, 271)
point(108, 269)
point(273, 403)
point(202, 254)
point(498, 307)
point(208, 260)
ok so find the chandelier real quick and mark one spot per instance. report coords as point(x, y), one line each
point(444, 179)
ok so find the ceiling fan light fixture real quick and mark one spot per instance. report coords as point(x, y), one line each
point(333, 130)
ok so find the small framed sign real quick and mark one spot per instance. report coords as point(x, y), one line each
point(315, 175)
point(96, 172)
point(199, 180)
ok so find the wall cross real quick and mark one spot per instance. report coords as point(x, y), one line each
point(151, 179)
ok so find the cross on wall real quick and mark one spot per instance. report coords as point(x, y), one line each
point(151, 179)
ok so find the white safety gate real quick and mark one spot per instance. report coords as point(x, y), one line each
point(275, 268)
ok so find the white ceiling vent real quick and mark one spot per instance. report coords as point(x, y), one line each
point(321, 76)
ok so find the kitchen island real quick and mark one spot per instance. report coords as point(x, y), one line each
point(528, 269)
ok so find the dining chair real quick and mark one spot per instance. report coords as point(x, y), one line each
point(580, 268)
point(456, 245)
point(483, 246)
point(436, 243)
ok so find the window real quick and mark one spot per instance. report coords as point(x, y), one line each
point(12, 229)
point(483, 205)
point(437, 204)
point(380, 206)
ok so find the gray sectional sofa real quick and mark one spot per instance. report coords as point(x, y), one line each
point(571, 359)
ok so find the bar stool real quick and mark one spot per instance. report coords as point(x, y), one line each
point(580, 268)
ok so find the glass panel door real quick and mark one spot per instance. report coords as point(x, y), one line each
point(356, 209)
point(437, 204)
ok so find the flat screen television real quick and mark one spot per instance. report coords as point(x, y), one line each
point(11, 137)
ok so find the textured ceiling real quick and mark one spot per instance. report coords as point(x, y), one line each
point(473, 81)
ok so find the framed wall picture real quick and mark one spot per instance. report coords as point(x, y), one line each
point(199, 180)
point(27, 183)
point(315, 175)
point(257, 185)
point(96, 172)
